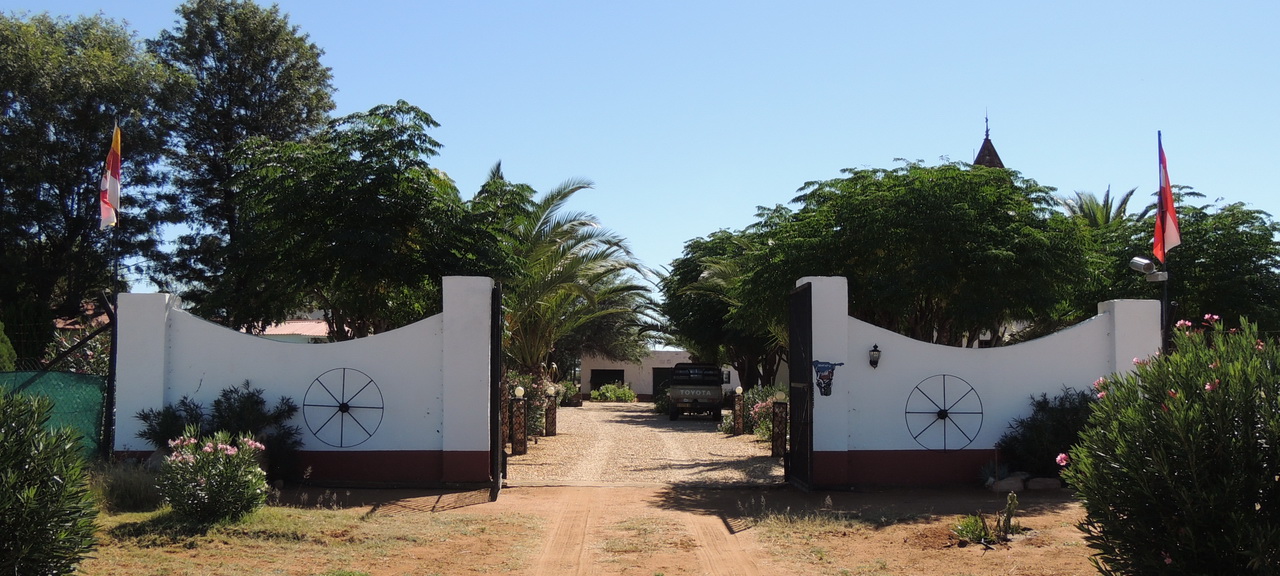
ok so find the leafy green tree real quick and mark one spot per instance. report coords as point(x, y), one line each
point(943, 254)
point(63, 84)
point(354, 222)
point(622, 336)
point(1228, 263)
point(573, 277)
point(701, 303)
point(251, 74)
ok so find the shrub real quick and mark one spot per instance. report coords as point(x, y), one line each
point(46, 509)
point(238, 410)
point(241, 410)
point(93, 356)
point(212, 479)
point(1178, 465)
point(8, 358)
point(1055, 423)
point(662, 403)
point(758, 402)
point(613, 393)
point(975, 528)
point(161, 426)
point(124, 487)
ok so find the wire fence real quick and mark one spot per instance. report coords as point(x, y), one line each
point(78, 401)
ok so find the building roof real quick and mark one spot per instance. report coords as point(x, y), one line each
point(987, 155)
point(304, 327)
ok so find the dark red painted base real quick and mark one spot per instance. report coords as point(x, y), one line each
point(899, 467)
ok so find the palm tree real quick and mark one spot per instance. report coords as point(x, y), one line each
point(571, 272)
point(1102, 213)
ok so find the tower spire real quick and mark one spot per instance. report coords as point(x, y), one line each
point(987, 155)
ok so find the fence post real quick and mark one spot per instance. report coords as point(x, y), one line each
point(519, 427)
point(779, 436)
point(739, 417)
point(549, 417)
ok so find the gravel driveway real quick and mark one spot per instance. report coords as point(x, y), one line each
point(613, 443)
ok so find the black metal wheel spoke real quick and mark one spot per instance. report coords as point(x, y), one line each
point(335, 406)
point(958, 399)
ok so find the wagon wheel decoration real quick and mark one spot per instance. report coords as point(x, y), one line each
point(343, 407)
point(944, 413)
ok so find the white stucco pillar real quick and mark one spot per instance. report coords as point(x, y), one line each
point(1135, 330)
point(467, 312)
point(830, 319)
point(141, 362)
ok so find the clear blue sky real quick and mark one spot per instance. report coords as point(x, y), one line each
point(687, 115)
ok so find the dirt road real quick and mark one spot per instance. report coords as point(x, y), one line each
point(623, 491)
point(603, 444)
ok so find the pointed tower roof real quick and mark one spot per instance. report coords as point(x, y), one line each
point(987, 155)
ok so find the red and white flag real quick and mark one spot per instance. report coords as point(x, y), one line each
point(1167, 234)
point(109, 191)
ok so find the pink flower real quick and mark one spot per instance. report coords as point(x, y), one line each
point(1063, 459)
point(208, 447)
point(1167, 559)
point(1139, 361)
point(1097, 384)
point(1260, 345)
point(1102, 394)
point(1183, 324)
point(1173, 394)
point(1211, 386)
point(1213, 365)
point(1211, 318)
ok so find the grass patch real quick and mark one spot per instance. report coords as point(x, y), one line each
point(785, 524)
point(647, 534)
point(279, 540)
point(123, 487)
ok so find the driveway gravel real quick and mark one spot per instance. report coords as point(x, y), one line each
point(602, 444)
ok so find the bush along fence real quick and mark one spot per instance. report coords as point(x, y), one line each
point(1179, 467)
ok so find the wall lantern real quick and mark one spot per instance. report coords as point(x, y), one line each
point(551, 390)
point(873, 356)
point(780, 396)
point(519, 391)
point(738, 391)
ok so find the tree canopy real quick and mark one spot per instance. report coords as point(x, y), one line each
point(248, 74)
point(943, 254)
point(64, 83)
point(354, 222)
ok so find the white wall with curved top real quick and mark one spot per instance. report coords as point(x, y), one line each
point(423, 387)
point(887, 415)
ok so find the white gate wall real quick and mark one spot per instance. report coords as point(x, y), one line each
point(861, 431)
point(430, 381)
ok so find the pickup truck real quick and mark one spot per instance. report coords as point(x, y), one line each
point(696, 389)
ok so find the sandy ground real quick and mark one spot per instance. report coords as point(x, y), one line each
point(623, 491)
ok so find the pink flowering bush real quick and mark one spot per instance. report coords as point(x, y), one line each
point(213, 478)
point(1179, 466)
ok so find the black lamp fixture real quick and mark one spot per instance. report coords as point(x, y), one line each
point(874, 355)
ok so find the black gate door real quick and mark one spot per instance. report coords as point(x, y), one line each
point(497, 452)
point(799, 458)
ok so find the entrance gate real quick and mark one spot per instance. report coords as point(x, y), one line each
point(497, 452)
point(799, 459)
